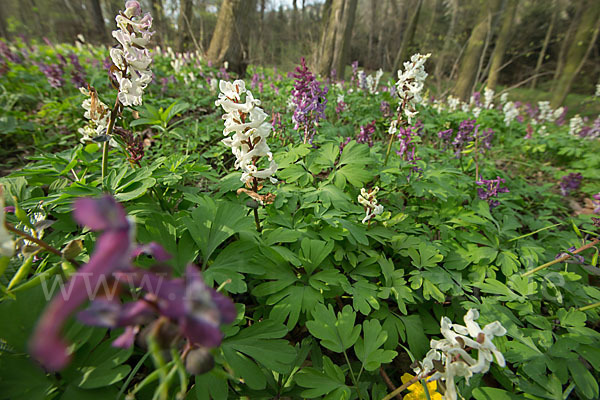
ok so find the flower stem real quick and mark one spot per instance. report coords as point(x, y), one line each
point(109, 129)
point(352, 375)
point(589, 307)
point(401, 388)
point(561, 259)
point(389, 148)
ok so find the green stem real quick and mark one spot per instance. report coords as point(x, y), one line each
point(589, 307)
point(109, 129)
point(561, 259)
point(401, 388)
point(352, 375)
point(534, 232)
point(389, 148)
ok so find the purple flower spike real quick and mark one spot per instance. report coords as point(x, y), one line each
point(310, 100)
point(570, 183)
point(490, 190)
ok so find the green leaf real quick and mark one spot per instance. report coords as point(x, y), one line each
point(364, 296)
point(213, 222)
point(330, 380)
point(262, 342)
point(21, 379)
point(336, 334)
point(314, 253)
point(368, 349)
point(585, 381)
point(571, 317)
point(211, 386)
point(486, 393)
point(103, 366)
point(425, 256)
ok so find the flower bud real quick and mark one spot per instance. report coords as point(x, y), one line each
point(199, 361)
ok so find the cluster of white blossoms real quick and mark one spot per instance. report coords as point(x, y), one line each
point(132, 60)
point(7, 246)
point(247, 129)
point(511, 112)
point(488, 98)
point(451, 354)
point(575, 125)
point(368, 200)
point(97, 113)
point(504, 98)
point(410, 85)
point(369, 83)
point(453, 103)
point(597, 94)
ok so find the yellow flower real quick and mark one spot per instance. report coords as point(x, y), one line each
point(417, 391)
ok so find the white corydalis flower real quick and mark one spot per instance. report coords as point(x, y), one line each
point(132, 59)
point(7, 245)
point(97, 113)
point(410, 85)
point(511, 112)
point(452, 352)
point(488, 97)
point(369, 202)
point(575, 125)
point(247, 129)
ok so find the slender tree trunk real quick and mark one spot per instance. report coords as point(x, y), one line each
point(158, 24)
point(568, 39)
point(407, 37)
point(98, 19)
point(3, 30)
point(508, 18)
point(542, 55)
point(585, 37)
point(183, 28)
point(335, 41)
point(440, 64)
point(230, 38)
point(372, 32)
point(470, 60)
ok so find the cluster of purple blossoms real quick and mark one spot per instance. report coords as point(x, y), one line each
point(341, 106)
point(576, 258)
point(366, 133)
point(385, 109)
point(354, 78)
point(446, 135)
point(275, 89)
point(8, 54)
point(596, 203)
point(344, 143)
point(190, 310)
point(490, 190)
point(591, 132)
point(78, 73)
point(310, 100)
point(485, 137)
point(54, 74)
point(407, 145)
point(464, 136)
point(257, 81)
point(570, 182)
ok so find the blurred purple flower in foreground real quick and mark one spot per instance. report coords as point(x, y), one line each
point(570, 182)
point(490, 190)
point(195, 310)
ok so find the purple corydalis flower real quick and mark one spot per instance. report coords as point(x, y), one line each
point(341, 106)
point(112, 253)
point(344, 143)
point(490, 190)
point(310, 100)
point(7, 53)
point(570, 182)
point(366, 134)
point(407, 146)
point(78, 73)
point(385, 109)
point(464, 136)
point(578, 259)
point(596, 203)
point(53, 74)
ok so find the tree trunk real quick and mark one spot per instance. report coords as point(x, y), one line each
point(440, 64)
point(335, 41)
point(230, 38)
point(568, 39)
point(3, 30)
point(469, 64)
point(542, 55)
point(508, 18)
point(407, 37)
point(183, 28)
point(158, 24)
point(585, 37)
point(98, 19)
point(372, 32)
